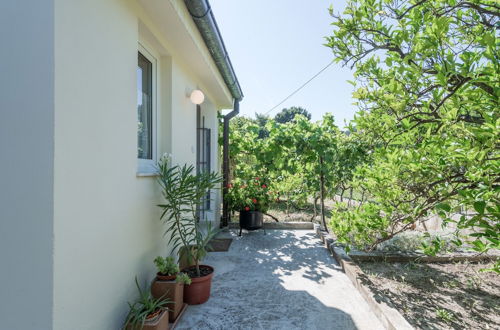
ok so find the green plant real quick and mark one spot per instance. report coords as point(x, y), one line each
point(444, 315)
point(166, 266)
point(426, 84)
point(183, 278)
point(183, 192)
point(249, 195)
point(143, 307)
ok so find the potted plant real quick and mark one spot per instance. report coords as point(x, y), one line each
point(167, 268)
point(252, 199)
point(183, 192)
point(169, 284)
point(147, 312)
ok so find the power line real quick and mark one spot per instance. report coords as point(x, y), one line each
point(298, 89)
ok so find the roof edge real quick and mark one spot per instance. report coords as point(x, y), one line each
point(204, 19)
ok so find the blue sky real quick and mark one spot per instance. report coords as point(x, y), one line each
point(277, 45)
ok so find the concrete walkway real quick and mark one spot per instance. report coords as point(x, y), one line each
point(283, 280)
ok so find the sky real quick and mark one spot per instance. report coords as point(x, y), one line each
point(277, 45)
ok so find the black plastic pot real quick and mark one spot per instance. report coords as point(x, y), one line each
point(251, 220)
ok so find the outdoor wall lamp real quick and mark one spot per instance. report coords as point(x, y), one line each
point(197, 96)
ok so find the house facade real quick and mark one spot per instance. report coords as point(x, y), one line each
point(93, 93)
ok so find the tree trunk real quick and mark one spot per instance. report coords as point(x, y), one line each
point(315, 208)
point(322, 193)
point(271, 216)
point(362, 199)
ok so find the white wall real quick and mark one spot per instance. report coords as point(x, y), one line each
point(26, 163)
point(106, 222)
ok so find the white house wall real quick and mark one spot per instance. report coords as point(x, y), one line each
point(106, 223)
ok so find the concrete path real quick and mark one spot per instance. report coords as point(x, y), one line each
point(283, 280)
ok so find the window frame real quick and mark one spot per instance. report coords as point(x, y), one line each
point(148, 166)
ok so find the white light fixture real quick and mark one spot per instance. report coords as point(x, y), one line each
point(197, 96)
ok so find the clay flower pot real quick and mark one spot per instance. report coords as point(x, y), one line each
point(161, 277)
point(155, 322)
point(172, 291)
point(198, 291)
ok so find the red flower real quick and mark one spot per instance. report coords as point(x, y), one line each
point(257, 179)
point(264, 186)
point(247, 208)
point(254, 201)
point(229, 185)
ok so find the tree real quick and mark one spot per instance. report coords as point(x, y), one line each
point(427, 84)
point(288, 114)
point(262, 120)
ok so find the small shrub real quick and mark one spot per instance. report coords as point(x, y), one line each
point(183, 278)
point(444, 315)
point(166, 266)
point(144, 306)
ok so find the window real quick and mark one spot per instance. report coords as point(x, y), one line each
point(146, 111)
point(203, 157)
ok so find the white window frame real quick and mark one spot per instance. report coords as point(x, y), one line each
point(148, 166)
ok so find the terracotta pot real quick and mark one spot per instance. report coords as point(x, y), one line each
point(156, 323)
point(198, 291)
point(172, 291)
point(161, 277)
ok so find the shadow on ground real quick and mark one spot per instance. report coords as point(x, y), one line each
point(282, 280)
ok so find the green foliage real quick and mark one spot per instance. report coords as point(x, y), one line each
point(166, 266)
point(427, 87)
point(287, 115)
point(144, 306)
point(183, 278)
point(416, 241)
point(183, 191)
point(249, 195)
point(445, 315)
point(261, 121)
point(426, 139)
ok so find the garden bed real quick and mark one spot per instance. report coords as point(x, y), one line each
point(437, 296)
point(425, 295)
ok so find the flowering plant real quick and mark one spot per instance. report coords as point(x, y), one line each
point(249, 195)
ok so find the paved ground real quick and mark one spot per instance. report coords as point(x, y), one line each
point(283, 280)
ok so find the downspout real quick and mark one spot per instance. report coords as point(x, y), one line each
point(203, 17)
point(225, 162)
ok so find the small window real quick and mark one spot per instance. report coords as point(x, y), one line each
point(146, 112)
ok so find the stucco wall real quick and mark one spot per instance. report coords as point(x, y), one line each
point(106, 224)
point(26, 162)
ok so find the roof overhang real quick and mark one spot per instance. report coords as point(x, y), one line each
point(186, 45)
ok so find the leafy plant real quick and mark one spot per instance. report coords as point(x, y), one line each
point(445, 315)
point(143, 307)
point(166, 266)
point(427, 90)
point(251, 195)
point(183, 192)
point(183, 278)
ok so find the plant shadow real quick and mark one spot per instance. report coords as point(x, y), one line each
point(268, 281)
point(431, 298)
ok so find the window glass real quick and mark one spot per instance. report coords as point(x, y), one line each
point(144, 108)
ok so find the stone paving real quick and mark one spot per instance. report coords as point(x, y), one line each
point(284, 279)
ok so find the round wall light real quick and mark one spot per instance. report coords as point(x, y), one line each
point(197, 96)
